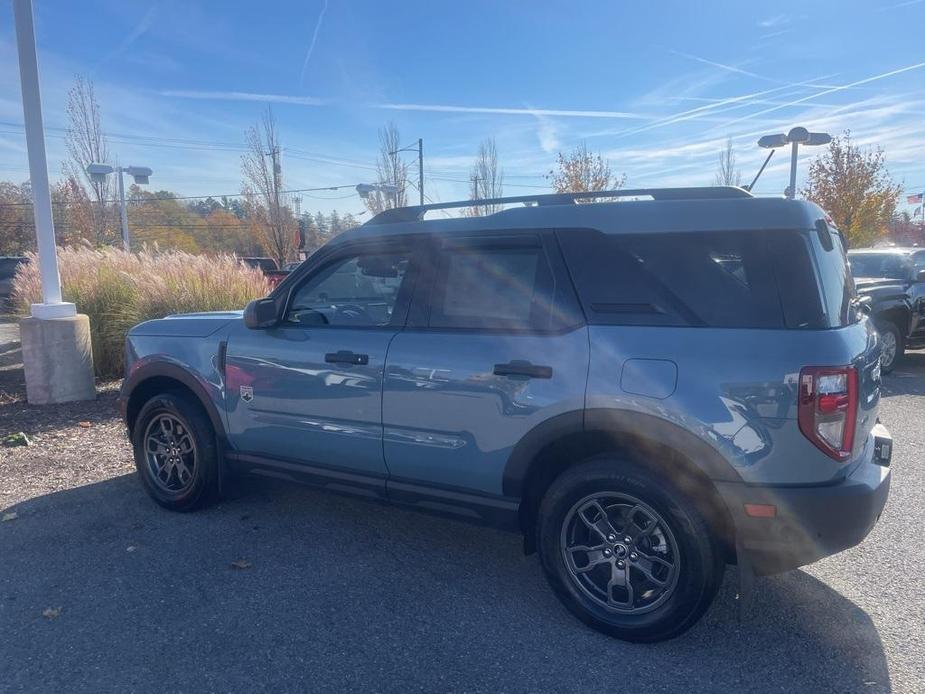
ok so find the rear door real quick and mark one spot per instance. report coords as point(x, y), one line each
point(309, 391)
point(495, 345)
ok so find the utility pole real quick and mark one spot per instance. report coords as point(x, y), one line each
point(123, 214)
point(421, 169)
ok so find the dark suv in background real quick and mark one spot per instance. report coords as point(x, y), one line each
point(893, 281)
point(647, 389)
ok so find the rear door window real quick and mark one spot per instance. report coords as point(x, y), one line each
point(715, 279)
point(499, 283)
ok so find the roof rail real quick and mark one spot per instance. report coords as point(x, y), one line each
point(415, 213)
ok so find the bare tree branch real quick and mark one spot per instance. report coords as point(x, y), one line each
point(727, 174)
point(261, 167)
point(486, 179)
point(390, 170)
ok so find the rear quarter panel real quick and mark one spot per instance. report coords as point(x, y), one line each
point(736, 390)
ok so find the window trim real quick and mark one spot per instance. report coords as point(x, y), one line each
point(350, 250)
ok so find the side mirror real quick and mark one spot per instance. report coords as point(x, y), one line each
point(920, 276)
point(260, 313)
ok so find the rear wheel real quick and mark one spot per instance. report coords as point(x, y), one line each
point(892, 346)
point(627, 554)
point(175, 452)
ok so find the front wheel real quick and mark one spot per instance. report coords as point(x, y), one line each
point(175, 452)
point(626, 553)
point(892, 347)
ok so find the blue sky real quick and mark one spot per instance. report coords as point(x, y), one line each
point(657, 87)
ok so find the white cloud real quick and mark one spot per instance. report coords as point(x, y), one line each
point(500, 110)
point(311, 45)
point(774, 21)
point(244, 96)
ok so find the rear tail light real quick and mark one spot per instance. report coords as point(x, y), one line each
point(828, 408)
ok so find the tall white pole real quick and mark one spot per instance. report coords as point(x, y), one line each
point(792, 190)
point(122, 213)
point(52, 307)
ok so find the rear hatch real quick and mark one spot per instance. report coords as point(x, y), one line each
point(831, 306)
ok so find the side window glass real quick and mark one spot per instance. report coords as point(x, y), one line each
point(356, 291)
point(492, 287)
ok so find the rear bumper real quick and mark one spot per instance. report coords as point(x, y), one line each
point(810, 522)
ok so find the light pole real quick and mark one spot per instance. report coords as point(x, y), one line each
point(56, 349)
point(141, 174)
point(796, 137)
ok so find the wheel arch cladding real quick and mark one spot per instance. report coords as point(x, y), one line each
point(160, 378)
point(674, 454)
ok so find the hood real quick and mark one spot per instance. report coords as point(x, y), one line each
point(863, 283)
point(187, 324)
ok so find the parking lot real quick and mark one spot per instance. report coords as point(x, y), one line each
point(286, 588)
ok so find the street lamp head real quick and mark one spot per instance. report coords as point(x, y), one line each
point(799, 135)
point(818, 139)
point(772, 141)
point(139, 173)
point(364, 189)
point(98, 172)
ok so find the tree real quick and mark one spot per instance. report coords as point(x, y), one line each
point(73, 214)
point(486, 179)
point(581, 171)
point(855, 188)
point(86, 144)
point(274, 225)
point(727, 174)
point(390, 170)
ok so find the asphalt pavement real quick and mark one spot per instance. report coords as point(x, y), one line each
point(337, 594)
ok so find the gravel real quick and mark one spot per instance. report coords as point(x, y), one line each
point(100, 590)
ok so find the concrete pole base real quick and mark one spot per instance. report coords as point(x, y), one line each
point(58, 359)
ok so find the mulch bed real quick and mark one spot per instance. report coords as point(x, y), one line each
point(70, 445)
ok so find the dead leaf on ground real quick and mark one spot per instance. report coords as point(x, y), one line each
point(12, 515)
point(240, 564)
point(84, 425)
point(51, 612)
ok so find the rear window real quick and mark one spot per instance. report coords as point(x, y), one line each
point(889, 265)
point(835, 277)
point(709, 279)
point(729, 279)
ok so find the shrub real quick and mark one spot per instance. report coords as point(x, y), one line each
point(118, 290)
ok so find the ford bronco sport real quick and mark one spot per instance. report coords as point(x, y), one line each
point(647, 389)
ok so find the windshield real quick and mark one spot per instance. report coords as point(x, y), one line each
point(890, 265)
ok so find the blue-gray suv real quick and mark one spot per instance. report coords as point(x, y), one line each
point(647, 389)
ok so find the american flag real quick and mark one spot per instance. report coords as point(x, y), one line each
point(913, 199)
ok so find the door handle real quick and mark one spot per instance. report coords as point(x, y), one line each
point(523, 368)
point(345, 356)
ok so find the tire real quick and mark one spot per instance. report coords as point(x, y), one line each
point(892, 343)
point(668, 596)
point(191, 482)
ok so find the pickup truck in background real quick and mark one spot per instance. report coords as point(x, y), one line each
point(893, 282)
point(269, 267)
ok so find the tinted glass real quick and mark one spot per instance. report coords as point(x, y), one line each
point(717, 279)
point(357, 291)
point(800, 291)
point(837, 283)
point(492, 286)
point(891, 265)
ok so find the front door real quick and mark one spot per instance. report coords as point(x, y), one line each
point(308, 392)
